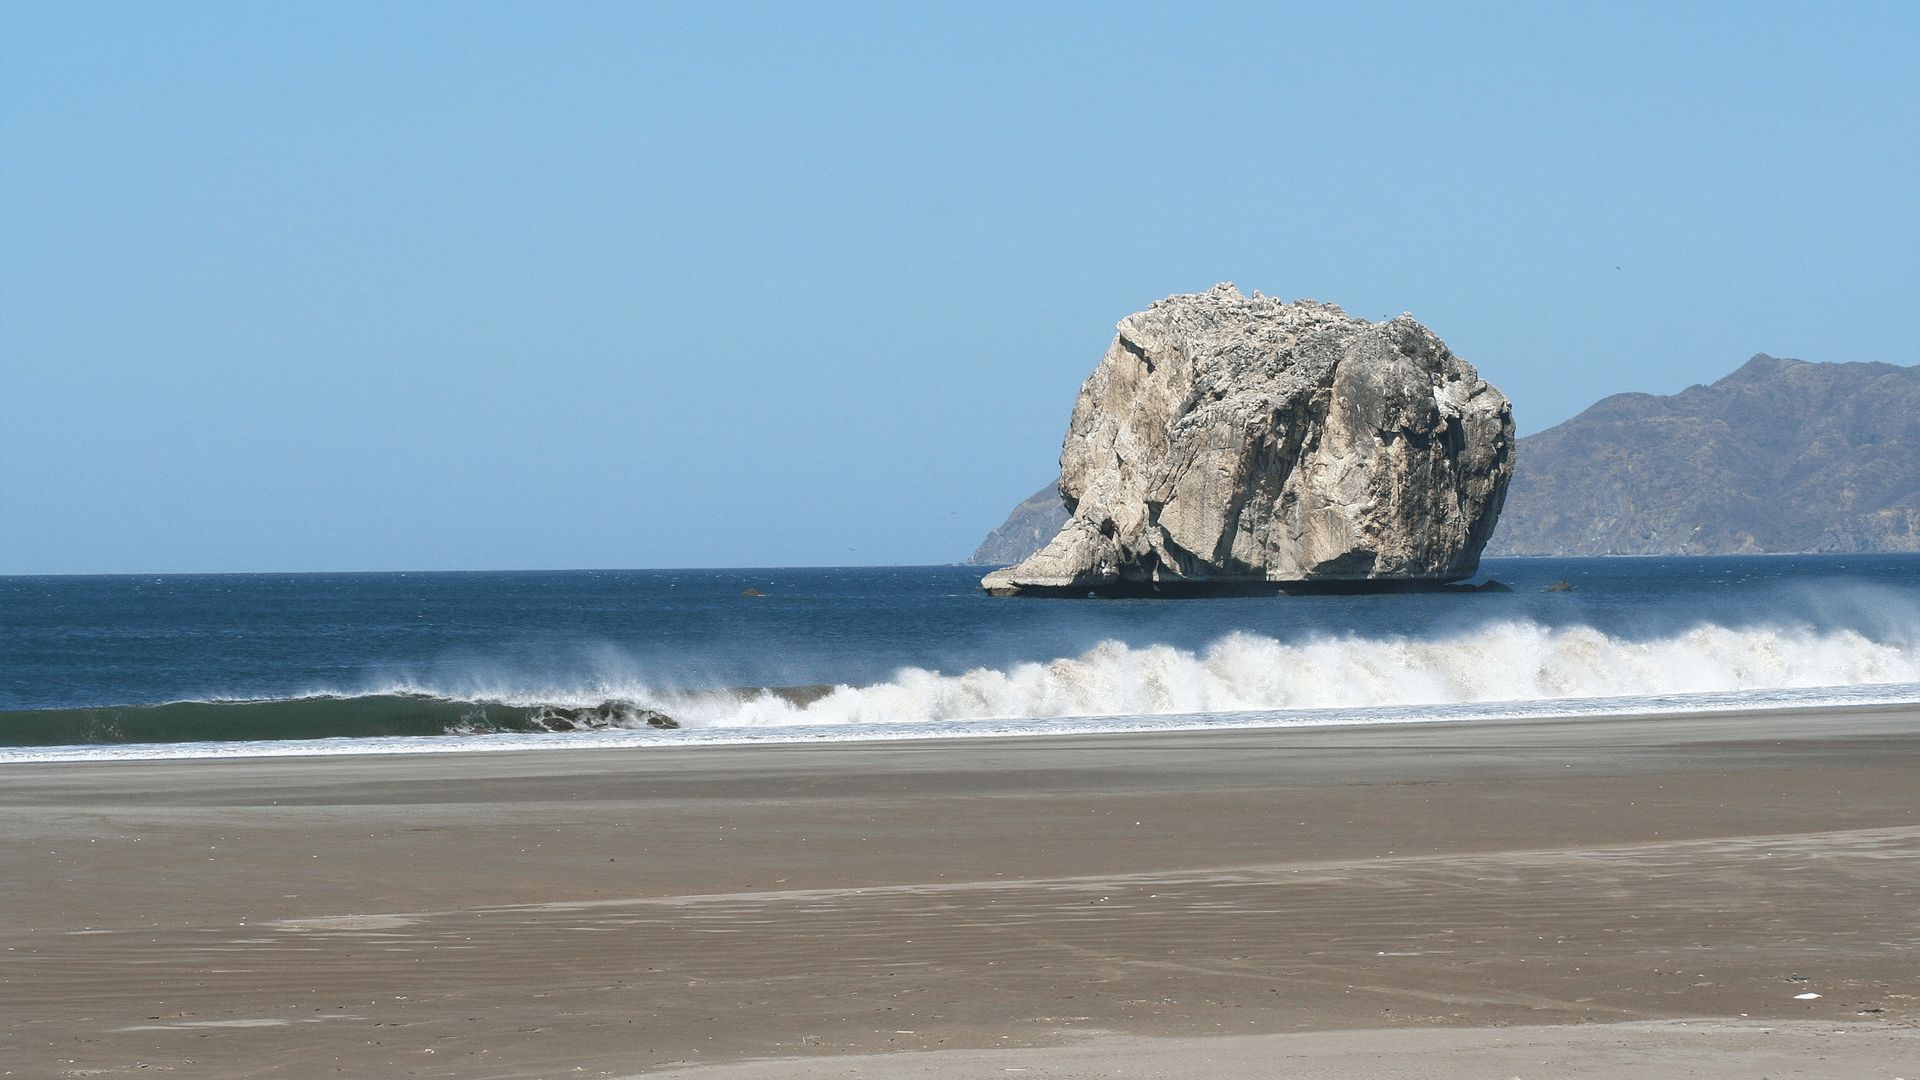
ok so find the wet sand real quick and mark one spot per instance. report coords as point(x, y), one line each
point(1294, 902)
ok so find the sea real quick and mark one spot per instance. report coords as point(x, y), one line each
point(250, 665)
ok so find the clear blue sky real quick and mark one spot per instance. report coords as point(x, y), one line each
point(338, 286)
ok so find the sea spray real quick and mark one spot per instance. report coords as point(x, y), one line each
point(1243, 671)
point(1867, 709)
point(908, 652)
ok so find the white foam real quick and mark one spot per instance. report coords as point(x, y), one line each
point(1244, 679)
point(1567, 709)
point(1241, 672)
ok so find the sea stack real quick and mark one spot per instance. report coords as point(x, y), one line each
point(1234, 444)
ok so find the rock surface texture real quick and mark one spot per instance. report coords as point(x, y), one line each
point(1780, 456)
point(1230, 444)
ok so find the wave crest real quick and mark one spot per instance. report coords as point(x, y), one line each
point(1244, 671)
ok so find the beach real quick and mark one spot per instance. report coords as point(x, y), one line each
point(1613, 896)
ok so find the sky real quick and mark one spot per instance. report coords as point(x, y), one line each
point(499, 286)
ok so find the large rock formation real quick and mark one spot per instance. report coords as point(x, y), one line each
point(1779, 456)
point(1231, 444)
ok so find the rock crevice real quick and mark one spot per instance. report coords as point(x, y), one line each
point(1236, 443)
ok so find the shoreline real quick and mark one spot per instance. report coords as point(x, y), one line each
point(629, 912)
point(608, 738)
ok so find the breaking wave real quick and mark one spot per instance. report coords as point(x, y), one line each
point(1242, 672)
point(1243, 679)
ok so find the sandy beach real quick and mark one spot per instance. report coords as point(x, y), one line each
point(1608, 897)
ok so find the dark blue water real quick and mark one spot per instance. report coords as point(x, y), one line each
point(80, 643)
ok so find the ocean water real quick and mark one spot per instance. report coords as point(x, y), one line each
point(217, 665)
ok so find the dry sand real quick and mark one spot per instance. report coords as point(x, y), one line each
point(1535, 899)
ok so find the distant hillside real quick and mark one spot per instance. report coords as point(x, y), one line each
point(1025, 531)
point(1779, 456)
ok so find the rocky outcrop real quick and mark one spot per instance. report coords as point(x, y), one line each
point(1229, 444)
point(1780, 456)
point(1026, 530)
point(607, 714)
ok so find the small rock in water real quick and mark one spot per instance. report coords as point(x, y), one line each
point(1491, 585)
point(620, 714)
point(751, 592)
point(1560, 586)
